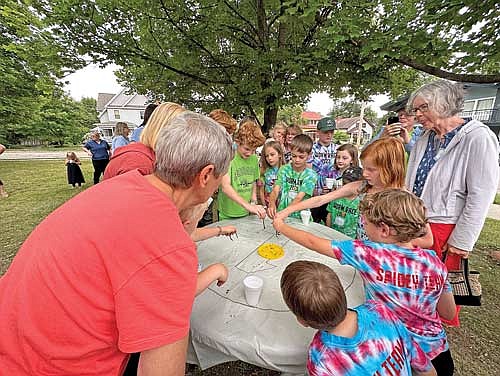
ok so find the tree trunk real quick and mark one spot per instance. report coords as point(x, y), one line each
point(270, 115)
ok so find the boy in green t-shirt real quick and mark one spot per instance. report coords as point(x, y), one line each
point(238, 191)
point(295, 181)
point(343, 214)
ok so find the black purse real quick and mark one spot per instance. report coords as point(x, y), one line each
point(465, 285)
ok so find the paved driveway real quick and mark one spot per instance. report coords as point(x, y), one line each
point(28, 155)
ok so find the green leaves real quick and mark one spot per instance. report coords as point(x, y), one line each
point(31, 62)
point(246, 55)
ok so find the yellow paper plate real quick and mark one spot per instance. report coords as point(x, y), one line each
point(271, 251)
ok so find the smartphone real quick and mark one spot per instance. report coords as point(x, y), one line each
point(392, 120)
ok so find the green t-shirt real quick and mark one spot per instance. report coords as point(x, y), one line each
point(243, 174)
point(292, 182)
point(345, 215)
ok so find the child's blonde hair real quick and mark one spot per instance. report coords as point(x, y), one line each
point(264, 165)
point(399, 209)
point(388, 155)
point(224, 119)
point(302, 143)
point(314, 294)
point(71, 156)
point(353, 152)
point(160, 118)
point(279, 125)
point(249, 134)
point(295, 128)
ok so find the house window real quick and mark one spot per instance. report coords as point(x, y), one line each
point(479, 109)
point(117, 114)
point(485, 104)
point(142, 115)
point(469, 106)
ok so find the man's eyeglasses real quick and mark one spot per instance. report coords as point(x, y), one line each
point(422, 108)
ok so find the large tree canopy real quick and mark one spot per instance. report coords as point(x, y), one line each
point(243, 55)
point(31, 63)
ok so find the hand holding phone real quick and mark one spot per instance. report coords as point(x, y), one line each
point(394, 126)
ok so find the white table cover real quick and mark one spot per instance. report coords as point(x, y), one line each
point(224, 328)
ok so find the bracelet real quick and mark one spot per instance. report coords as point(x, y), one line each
point(220, 231)
point(253, 202)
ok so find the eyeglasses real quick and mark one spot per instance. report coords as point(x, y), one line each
point(422, 108)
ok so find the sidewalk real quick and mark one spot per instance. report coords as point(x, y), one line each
point(27, 155)
point(494, 212)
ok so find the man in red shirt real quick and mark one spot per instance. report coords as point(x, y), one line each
point(112, 271)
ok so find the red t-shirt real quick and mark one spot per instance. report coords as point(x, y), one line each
point(110, 272)
point(130, 157)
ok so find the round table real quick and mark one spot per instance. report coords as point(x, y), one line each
point(225, 328)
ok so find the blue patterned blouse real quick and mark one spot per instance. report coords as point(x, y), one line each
point(435, 147)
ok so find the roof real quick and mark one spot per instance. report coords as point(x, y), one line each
point(124, 100)
point(347, 123)
point(490, 85)
point(102, 100)
point(310, 115)
point(106, 101)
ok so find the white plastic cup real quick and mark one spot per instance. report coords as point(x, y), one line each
point(329, 182)
point(253, 289)
point(306, 216)
point(337, 184)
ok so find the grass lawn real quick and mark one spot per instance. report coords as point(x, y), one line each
point(497, 199)
point(36, 188)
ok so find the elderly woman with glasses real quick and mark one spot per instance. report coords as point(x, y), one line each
point(452, 168)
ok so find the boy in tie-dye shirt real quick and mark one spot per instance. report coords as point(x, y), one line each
point(367, 340)
point(410, 281)
point(295, 181)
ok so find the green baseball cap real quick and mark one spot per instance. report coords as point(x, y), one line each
point(326, 124)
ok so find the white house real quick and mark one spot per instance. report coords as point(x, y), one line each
point(351, 127)
point(112, 108)
point(482, 102)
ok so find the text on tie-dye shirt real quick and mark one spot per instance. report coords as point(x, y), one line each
point(407, 281)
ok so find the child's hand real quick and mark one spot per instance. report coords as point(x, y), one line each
point(223, 274)
point(278, 223)
point(281, 215)
point(258, 210)
point(271, 210)
point(228, 230)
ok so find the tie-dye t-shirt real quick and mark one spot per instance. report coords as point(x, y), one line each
point(344, 215)
point(292, 183)
point(267, 181)
point(270, 176)
point(382, 346)
point(408, 281)
point(323, 163)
